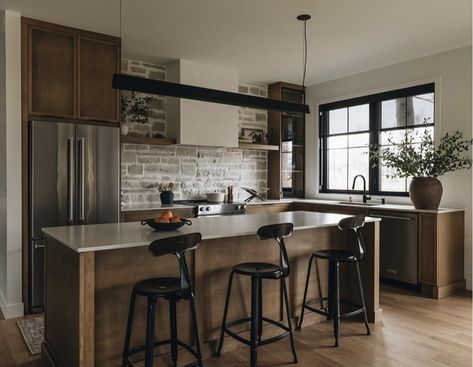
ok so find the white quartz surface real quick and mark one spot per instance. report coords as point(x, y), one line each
point(98, 237)
point(390, 207)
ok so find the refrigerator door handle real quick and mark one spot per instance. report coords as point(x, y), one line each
point(80, 154)
point(70, 180)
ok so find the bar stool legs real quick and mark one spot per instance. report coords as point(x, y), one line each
point(129, 324)
point(255, 323)
point(336, 300)
point(289, 322)
point(333, 311)
point(256, 320)
point(225, 311)
point(150, 325)
point(173, 321)
point(365, 316)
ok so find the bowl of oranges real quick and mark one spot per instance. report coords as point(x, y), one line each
point(166, 222)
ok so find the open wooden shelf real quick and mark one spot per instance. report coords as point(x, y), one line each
point(145, 140)
point(257, 146)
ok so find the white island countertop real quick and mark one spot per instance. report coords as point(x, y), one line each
point(99, 237)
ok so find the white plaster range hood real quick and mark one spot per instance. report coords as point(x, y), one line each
point(192, 122)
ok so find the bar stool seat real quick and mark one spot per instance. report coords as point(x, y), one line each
point(335, 255)
point(258, 269)
point(158, 287)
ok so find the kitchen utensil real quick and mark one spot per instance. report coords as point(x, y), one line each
point(215, 197)
point(165, 226)
point(255, 194)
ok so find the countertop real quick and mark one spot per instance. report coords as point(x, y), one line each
point(99, 237)
point(390, 207)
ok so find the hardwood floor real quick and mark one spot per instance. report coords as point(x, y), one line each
point(416, 331)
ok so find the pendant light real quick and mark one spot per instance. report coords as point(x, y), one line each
point(304, 18)
point(170, 89)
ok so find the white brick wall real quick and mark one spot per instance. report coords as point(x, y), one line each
point(193, 170)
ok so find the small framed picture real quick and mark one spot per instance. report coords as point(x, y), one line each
point(248, 135)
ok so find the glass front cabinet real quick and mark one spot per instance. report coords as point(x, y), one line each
point(286, 129)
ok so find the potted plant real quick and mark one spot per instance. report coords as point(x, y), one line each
point(135, 108)
point(420, 158)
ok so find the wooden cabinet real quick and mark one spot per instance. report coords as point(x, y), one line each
point(441, 253)
point(69, 72)
point(98, 61)
point(440, 239)
point(287, 131)
point(52, 65)
point(268, 208)
point(137, 216)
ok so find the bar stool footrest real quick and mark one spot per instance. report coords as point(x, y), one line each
point(263, 341)
point(164, 342)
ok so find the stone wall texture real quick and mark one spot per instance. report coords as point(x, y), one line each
point(194, 171)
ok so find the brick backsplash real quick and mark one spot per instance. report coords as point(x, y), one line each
point(194, 171)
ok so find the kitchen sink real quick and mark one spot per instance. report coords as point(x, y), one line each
point(358, 203)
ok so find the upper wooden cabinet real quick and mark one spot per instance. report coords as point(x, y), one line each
point(69, 72)
point(52, 64)
point(98, 61)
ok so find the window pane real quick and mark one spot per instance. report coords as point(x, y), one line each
point(393, 113)
point(358, 164)
point(337, 121)
point(420, 109)
point(396, 136)
point(337, 169)
point(359, 118)
point(418, 133)
point(336, 142)
point(397, 184)
point(359, 140)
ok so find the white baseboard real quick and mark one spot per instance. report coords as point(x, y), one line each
point(468, 284)
point(11, 310)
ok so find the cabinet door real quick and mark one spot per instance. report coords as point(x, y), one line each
point(98, 61)
point(51, 64)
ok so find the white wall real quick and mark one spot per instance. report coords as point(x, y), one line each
point(452, 73)
point(10, 165)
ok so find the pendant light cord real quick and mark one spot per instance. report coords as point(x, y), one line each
point(304, 54)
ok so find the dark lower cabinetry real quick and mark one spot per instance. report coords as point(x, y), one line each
point(424, 250)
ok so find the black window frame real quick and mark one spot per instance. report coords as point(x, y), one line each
point(374, 102)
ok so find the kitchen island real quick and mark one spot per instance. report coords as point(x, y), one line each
point(90, 271)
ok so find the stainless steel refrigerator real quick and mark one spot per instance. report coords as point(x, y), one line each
point(74, 180)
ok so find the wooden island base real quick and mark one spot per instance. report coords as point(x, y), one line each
point(88, 293)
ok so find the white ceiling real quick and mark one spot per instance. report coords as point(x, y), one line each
point(262, 38)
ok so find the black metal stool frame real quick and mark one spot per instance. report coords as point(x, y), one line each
point(276, 232)
point(332, 311)
point(173, 290)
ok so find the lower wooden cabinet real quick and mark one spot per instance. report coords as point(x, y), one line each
point(268, 208)
point(440, 241)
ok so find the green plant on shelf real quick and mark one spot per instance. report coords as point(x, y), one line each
point(135, 107)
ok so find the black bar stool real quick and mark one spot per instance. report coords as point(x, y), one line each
point(172, 290)
point(259, 271)
point(335, 257)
